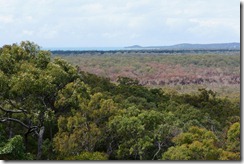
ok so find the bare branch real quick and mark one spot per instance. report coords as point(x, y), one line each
point(43, 102)
point(10, 111)
point(159, 148)
point(14, 120)
point(32, 129)
point(25, 111)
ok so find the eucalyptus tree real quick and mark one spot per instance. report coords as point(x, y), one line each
point(29, 84)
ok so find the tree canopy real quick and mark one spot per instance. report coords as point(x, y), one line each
point(51, 110)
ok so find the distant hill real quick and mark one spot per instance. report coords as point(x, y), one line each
point(134, 46)
point(187, 46)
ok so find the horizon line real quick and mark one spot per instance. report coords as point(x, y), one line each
point(138, 45)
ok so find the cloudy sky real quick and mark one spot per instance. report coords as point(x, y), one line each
point(118, 23)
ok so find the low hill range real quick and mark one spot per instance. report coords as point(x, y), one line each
point(188, 46)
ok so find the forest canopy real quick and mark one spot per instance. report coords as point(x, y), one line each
point(51, 110)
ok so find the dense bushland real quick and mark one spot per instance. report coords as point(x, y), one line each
point(50, 109)
point(183, 72)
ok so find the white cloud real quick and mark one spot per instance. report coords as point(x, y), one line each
point(27, 32)
point(214, 25)
point(114, 22)
point(111, 35)
point(6, 19)
point(47, 32)
point(92, 8)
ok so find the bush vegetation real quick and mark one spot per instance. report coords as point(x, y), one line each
point(183, 72)
point(52, 110)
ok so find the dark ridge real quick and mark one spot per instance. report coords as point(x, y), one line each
point(141, 51)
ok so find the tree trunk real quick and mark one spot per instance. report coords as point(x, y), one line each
point(40, 140)
point(51, 130)
point(159, 148)
point(10, 135)
point(26, 141)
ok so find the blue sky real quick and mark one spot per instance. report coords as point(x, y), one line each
point(118, 23)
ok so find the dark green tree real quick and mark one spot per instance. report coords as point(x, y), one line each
point(29, 83)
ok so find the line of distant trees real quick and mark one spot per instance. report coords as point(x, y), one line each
point(76, 52)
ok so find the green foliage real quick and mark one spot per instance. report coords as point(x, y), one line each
point(29, 85)
point(220, 109)
point(3, 85)
point(86, 127)
point(218, 71)
point(196, 144)
point(234, 138)
point(47, 148)
point(72, 96)
point(233, 145)
point(14, 150)
point(137, 132)
point(227, 155)
point(89, 156)
point(49, 110)
point(127, 81)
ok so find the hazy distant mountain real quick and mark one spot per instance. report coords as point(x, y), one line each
point(134, 46)
point(187, 46)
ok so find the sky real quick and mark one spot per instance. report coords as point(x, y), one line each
point(118, 23)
